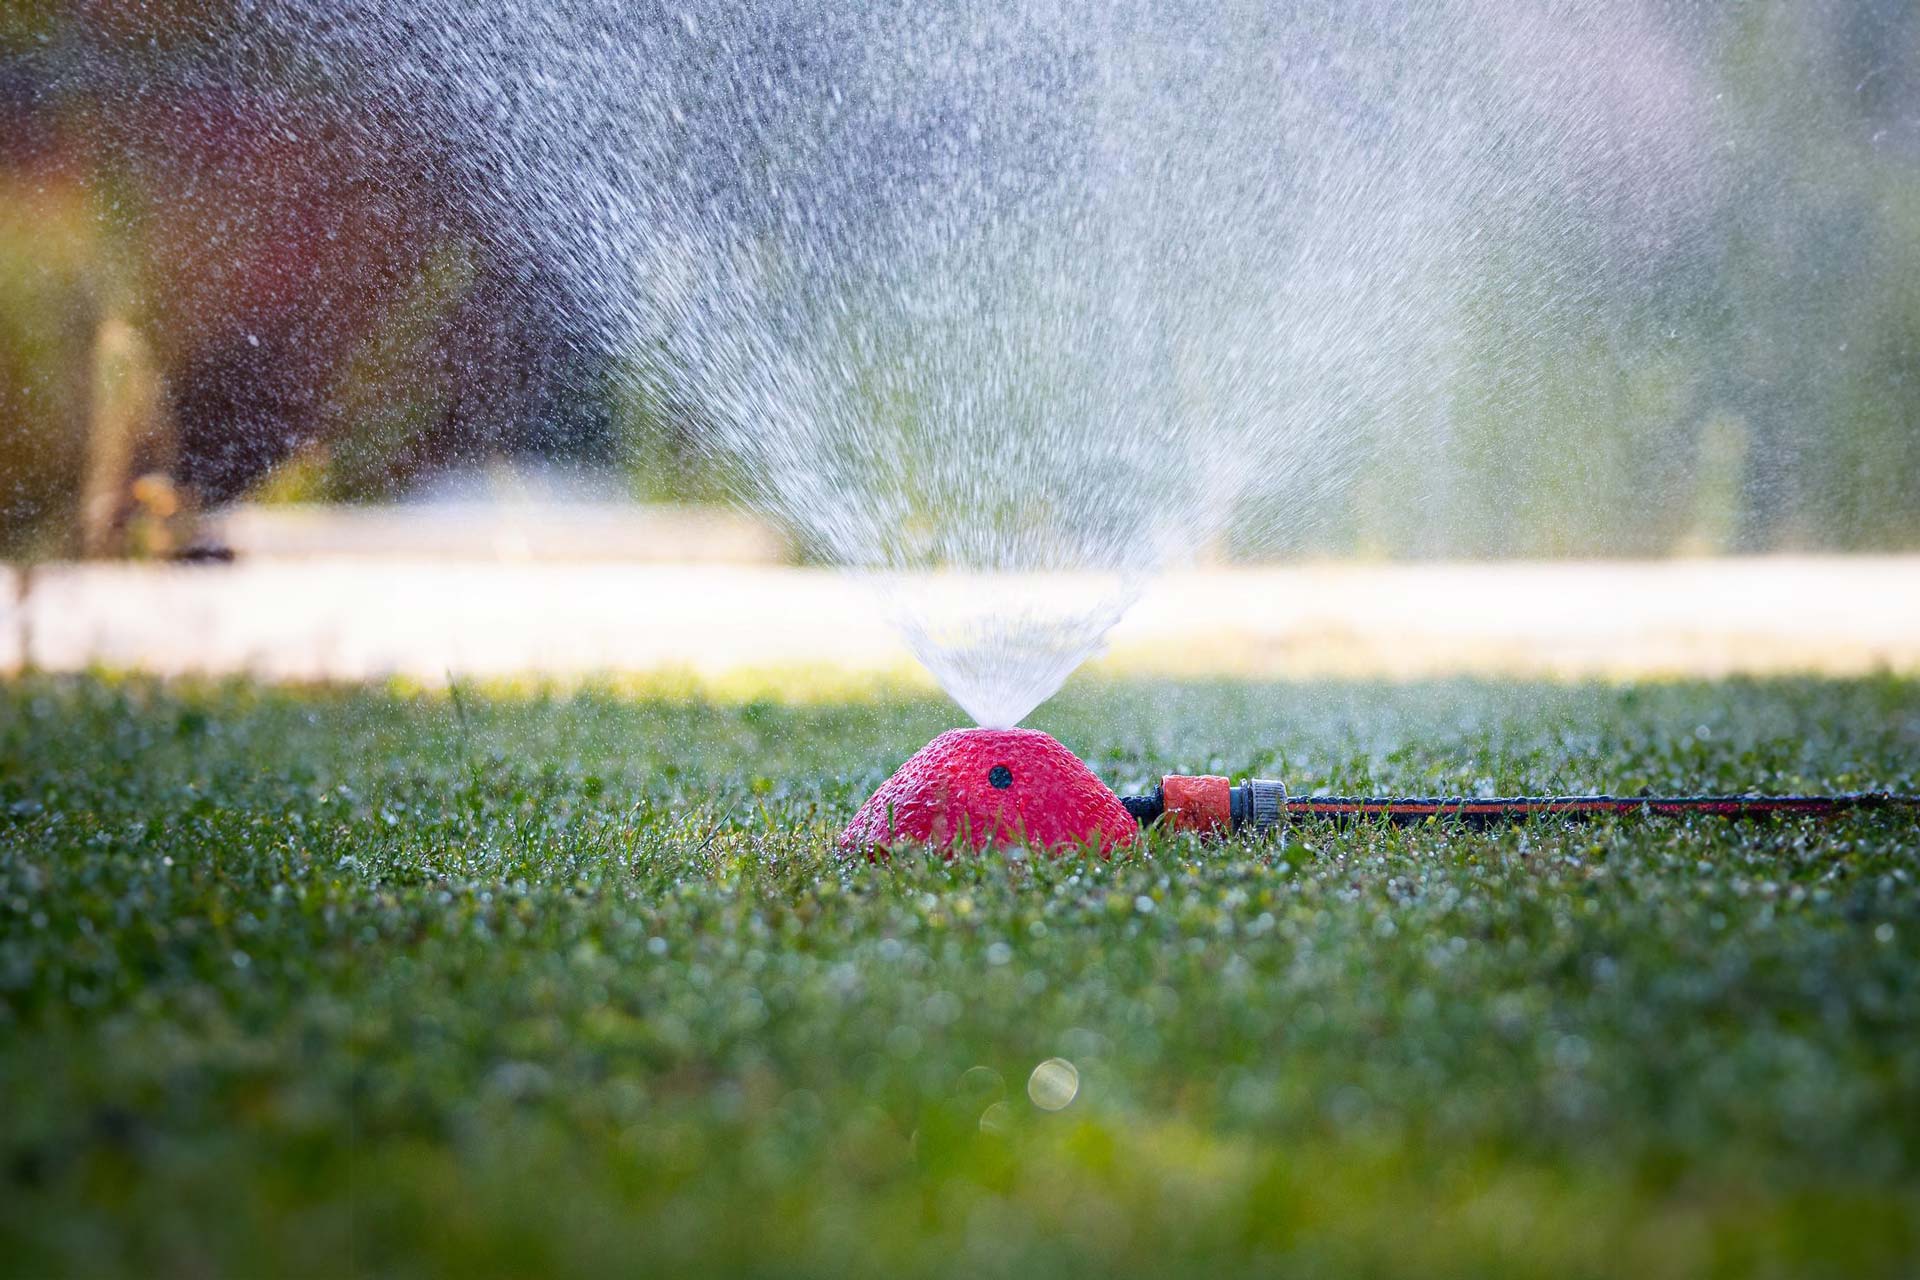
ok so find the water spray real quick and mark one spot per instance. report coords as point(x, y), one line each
point(995, 786)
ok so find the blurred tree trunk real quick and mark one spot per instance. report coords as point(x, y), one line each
point(128, 504)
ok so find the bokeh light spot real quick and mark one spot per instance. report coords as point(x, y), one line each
point(1054, 1084)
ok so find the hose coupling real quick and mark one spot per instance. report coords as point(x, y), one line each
point(1212, 805)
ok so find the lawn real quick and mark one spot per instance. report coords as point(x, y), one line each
point(379, 982)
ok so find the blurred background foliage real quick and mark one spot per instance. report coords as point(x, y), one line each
point(207, 294)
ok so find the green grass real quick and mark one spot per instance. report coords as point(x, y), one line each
point(358, 982)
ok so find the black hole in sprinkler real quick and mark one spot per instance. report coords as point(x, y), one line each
point(1000, 776)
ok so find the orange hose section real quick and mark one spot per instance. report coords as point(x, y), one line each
point(1203, 803)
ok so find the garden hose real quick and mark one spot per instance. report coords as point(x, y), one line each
point(1211, 804)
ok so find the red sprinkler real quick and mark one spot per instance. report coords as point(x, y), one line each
point(1019, 786)
point(977, 786)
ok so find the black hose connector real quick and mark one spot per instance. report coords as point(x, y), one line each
point(1258, 805)
point(1146, 809)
